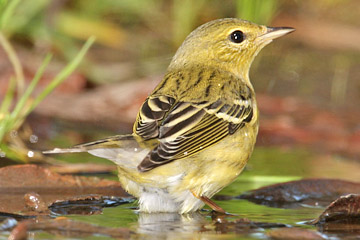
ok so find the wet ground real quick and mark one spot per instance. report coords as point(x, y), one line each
point(272, 219)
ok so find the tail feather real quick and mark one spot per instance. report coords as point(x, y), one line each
point(118, 141)
point(64, 150)
point(123, 150)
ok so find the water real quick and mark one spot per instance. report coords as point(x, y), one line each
point(267, 166)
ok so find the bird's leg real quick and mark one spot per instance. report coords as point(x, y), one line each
point(210, 203)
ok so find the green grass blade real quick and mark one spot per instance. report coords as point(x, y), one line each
point(8, 12)
point(24, 98)
point(11, 54)
point(5, 105)
point(60, 77)
point(5, 108)
point(3, 127)
point(258, 11)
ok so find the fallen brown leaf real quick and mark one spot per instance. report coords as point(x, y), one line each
point(86, 205)
point(345, 209)
point(37, 182)
point(278, 195)
point(240, 225)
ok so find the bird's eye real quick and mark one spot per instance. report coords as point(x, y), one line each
point(237, 36)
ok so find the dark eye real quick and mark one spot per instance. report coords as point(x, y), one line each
point(237, 36)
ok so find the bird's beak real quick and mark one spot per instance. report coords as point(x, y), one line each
point(274, 32)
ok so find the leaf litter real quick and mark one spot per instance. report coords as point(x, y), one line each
point(293, 194)
point(31, 196)
point(341, 216)
point(34, 199)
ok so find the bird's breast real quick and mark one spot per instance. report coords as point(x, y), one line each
point(216, 167)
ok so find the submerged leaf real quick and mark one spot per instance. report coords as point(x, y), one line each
point(284, 194)
point(87, 205)
point(345, 209)
point(240, 225)
point(41, 187)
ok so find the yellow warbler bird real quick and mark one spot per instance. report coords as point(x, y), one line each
point(196, 131)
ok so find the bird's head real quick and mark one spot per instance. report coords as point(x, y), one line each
point(229, 44)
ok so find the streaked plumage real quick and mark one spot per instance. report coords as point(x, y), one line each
point(185, 126)
point(196, 131)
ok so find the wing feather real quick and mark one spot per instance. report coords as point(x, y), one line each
point(189, 128)
point(151, 113)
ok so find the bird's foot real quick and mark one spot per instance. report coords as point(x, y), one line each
point(210, 203)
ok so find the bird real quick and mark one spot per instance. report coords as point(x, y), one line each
point(195, 132)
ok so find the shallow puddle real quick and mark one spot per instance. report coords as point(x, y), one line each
point(248, 220)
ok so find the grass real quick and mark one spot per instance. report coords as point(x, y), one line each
point(258, 11)
point(12, 119)
point(25, 18)
point(13, 112)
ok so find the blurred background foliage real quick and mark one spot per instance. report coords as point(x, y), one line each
point(125, 30)
point(136, 39)
point(307, 86)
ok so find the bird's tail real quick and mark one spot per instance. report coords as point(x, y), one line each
point(123, 150)
point(118, 141)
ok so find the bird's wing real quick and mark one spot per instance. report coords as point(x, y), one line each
point(151, 114)
point(184, 128)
